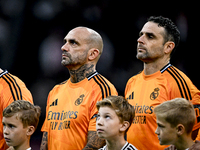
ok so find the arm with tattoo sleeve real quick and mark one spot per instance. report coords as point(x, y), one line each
point(94, 142)
point(44, 144)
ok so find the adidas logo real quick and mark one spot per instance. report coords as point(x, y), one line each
point(55, 103)
point(131, 96)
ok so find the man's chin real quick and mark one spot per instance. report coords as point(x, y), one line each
point(64, 63)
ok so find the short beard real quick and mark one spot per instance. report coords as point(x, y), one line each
point(143, 57)
point(65, 62)
point(73, 62)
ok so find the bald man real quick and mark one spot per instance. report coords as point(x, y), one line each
point(71, 106)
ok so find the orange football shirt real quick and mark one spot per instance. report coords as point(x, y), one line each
point(145, 92)
point(70, 111)
point(198, 136)
point(11, 89)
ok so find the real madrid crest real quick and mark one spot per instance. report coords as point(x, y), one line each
point(154, 94)
point(79, 100)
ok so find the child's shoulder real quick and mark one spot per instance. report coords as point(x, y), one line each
point(103, 148)
point(128, 146)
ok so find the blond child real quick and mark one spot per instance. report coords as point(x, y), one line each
point(175, 120)
point(114, 118)
point(20, 120)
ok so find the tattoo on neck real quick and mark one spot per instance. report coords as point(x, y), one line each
point(81, 73)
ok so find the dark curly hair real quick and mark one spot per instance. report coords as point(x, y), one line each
point(171, 31)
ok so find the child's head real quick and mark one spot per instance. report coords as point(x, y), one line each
point(115, 116)
point(20, 120)
point(174, 119)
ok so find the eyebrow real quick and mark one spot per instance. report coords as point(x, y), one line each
point(160, 125)
point(148, 33)
point(107, 113)
point(8, 123)
point(71, 40)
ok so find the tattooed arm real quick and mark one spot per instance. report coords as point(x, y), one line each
point(44, 144)
point(94, 142)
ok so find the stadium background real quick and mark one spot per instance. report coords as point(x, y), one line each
point(32, 32)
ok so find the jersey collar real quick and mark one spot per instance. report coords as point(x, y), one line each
point(92, 75)
point(165, 67)
point(5, 72)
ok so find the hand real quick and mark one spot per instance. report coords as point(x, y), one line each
point(171, 147)
point(195, 146)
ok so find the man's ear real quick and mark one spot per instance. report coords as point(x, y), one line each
point(168, 47)
point(180, 129)
point(30, 130)
point(124, 126)
point(93, 54)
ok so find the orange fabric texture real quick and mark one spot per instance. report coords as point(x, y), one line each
point(70, 111)
point(11, 89)
point(198, 136)
point(145, 92)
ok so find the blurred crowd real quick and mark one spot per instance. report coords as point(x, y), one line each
point(32, 32)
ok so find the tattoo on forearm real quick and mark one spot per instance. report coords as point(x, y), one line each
point(94, 142)
point(44, 141)
point(45, 136)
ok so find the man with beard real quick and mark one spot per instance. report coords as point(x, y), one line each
point(158, 82)
point(71, 106)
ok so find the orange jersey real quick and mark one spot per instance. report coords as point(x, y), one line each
point(70, 111)
point(145, 92)
point(198, 136)
point(11, 89)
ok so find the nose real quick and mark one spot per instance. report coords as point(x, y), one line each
point(157, 132)
point(99, 121)
point(5, 131)
point(65, 47)
point(141, 39)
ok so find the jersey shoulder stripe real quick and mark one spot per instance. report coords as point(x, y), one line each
point(105, 85)
point(185, 83)
point(183, 87)
point(105, 88)
point(17, 86)
point(13, 85)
